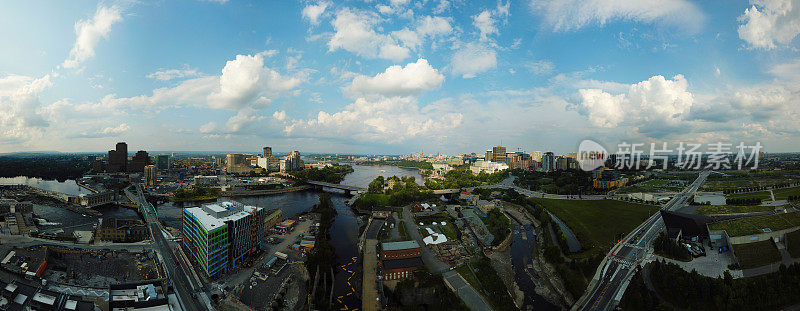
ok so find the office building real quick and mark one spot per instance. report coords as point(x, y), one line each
point(487, 167)
point(267, 152)
point(150, 175)
point(139, 161)
point(488, 156)
point(118, 158)
point(499, 154)
point(561, 163)
point(536, 156)
point(548, 161)
point(219, 235)
point(163, 162)
point(237, 164)
point(292, 162)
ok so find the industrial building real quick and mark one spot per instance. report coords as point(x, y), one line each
point(400, 259)
point(149, 295)
point(219, 235)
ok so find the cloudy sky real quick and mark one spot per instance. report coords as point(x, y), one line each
point(397, 76)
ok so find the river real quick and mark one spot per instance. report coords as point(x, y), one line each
point(521, 247)
point(344, 231)
point(67, 187)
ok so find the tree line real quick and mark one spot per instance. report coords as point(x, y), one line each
point(680, 289)
point(58, 167)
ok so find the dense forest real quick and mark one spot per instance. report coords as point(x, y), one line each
point(692, 291)
point(45, 166)
point(404, 191)
point(462, 177)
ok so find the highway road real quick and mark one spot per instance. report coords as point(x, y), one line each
point(628, 253)
point(177, 275)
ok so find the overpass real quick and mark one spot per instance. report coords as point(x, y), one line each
point(618, 267)
point(347, 189)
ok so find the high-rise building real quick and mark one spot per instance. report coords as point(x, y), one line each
point(163, 162)
point(536, 156)
point(488, 156)
point(139, 161)
point(561, 163)
point(237, 164)
point(267, 153)
point(150, 175)
point(292, 162)
point(499, 154)
point(548, 161)
point(220, 235)
point(118, 158)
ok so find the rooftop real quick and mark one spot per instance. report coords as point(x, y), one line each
point(755, 225)
point(394, 246)
point(213, 216)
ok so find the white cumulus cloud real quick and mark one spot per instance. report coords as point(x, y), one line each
point(770, 23)
point(399, 81)
point(654, 106)
point(312, 12)
point(354, 31)
point(89, 33)
point(19, 103)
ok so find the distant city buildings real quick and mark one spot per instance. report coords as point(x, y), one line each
point(150, 175)
point(163, 162)
point(139, 161)
point(548, 162)
point(606, 178)
point(292, 162)
point(219, 235)
point(118, 158)
point(487, 167)
point(237, 164)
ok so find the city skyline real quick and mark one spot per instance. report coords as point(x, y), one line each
point(395, 77)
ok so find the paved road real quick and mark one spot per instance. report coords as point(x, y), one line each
point(177, 274)
point(603, 294)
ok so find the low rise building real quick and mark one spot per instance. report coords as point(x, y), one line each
point(148, 295)
point(400, 259)
point(487, 167)
point(121, 230)
point(400, 250)
point(27, 262)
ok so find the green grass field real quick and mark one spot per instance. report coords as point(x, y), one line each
point(783, 194)
point(763, 195)
point(598, 224)
point(727, 209)
point(753, 225)
point(793, 243)
point(756, 254)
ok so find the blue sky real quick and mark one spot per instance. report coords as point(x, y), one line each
point(397, 76)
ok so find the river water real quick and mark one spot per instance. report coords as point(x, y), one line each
point(521, 247)
point(67, 187)
point(344, 231)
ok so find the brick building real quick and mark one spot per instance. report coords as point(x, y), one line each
point(121, 230)
point(400, 259)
